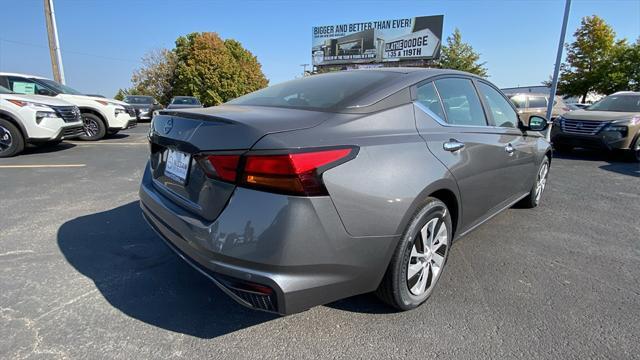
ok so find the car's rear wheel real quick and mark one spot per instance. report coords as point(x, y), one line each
point(11, 140)
point(419, 259)
point(533, 199)
point(635, 151)
point(94, 127)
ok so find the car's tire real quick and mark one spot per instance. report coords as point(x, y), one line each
point(112, 132)
point(415, 268)
point(94, 127)
point(11, 139)
point(533, 199)
point(634, 153)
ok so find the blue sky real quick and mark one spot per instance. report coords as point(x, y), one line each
point(102, 41)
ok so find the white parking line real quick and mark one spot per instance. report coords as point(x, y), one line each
point(42, 166)
point(108, 143)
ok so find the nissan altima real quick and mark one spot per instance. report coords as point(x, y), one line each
point(339, 184)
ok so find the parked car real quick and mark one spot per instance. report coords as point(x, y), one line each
point(100, 116)
point(144, 106)
point(536, 104)
point(33, 119)
point(301, 194)
point(184, 102)
point(612, 123)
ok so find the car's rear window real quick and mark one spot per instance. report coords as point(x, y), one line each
point(185, 101)
point(318, 92)
point(622, 103)
point(138, 100)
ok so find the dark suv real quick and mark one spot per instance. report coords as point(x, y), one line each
point(144, 106)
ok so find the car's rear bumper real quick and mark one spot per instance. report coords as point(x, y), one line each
point(295, 246)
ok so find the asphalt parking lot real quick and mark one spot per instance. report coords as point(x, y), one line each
point(82, 275)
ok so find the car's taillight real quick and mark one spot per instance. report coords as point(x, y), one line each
point(297, 172)
point(223, 167)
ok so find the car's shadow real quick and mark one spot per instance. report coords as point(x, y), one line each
point(140, 276)
point(616, 162)
point(46, 148)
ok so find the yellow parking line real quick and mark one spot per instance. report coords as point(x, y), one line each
point(42, 166)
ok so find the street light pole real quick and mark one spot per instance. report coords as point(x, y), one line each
point(556, 71)
point(54, 44)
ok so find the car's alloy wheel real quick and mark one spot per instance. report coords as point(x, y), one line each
point(427, 257)
point(91, 126)
point(541, 181)
point(6, 140)
point(419, 259)
point(94, 127)
point(11, 140)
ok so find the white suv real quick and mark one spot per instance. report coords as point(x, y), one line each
point(100, 116)
point(33, 119)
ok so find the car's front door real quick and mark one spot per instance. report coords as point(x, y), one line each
point(477, 154)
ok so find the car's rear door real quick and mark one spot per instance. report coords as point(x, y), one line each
point(477, 154)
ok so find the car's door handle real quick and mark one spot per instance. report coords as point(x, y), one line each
point(452, 145)
point(509, 149)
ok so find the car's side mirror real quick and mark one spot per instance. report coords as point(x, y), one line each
point(536, 123)
point(45, 92)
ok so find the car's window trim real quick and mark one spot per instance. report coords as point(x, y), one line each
point(435, 116)
point(471, 79)
point(444, 122)
point(513, 107)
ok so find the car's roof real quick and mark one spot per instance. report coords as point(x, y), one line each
point(184, 97)
point(143, 96)
point(626, 93)
point(23, 75)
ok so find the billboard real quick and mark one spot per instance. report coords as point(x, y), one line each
point(377, 41)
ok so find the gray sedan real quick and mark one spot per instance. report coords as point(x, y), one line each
point(339, 184)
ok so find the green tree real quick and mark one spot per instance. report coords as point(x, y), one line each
point(459, 55)
point(214, 70)
point(121, 94)
point(589, 58)
point(156, 76)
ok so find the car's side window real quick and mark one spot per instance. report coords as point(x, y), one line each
point(428, 97)
point(537, 102)
point(520, 101)
point(21, 85)
point(501, 111)
point(461, 102)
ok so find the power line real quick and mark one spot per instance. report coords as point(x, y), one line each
point(69, 52)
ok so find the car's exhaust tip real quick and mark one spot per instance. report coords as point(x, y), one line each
point(253, 295)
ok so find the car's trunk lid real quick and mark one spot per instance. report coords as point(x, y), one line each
point(218, 129)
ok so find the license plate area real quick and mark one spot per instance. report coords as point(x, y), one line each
point(177, 166)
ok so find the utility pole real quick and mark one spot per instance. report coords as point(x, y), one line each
point(54, 44)
point(556, 71)
point(304, 69)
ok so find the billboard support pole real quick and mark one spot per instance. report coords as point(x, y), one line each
point(54, 44)
point(556, 71)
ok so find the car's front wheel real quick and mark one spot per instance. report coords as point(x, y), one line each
point(94, 127)
point(419, 259)
point(11, 141)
